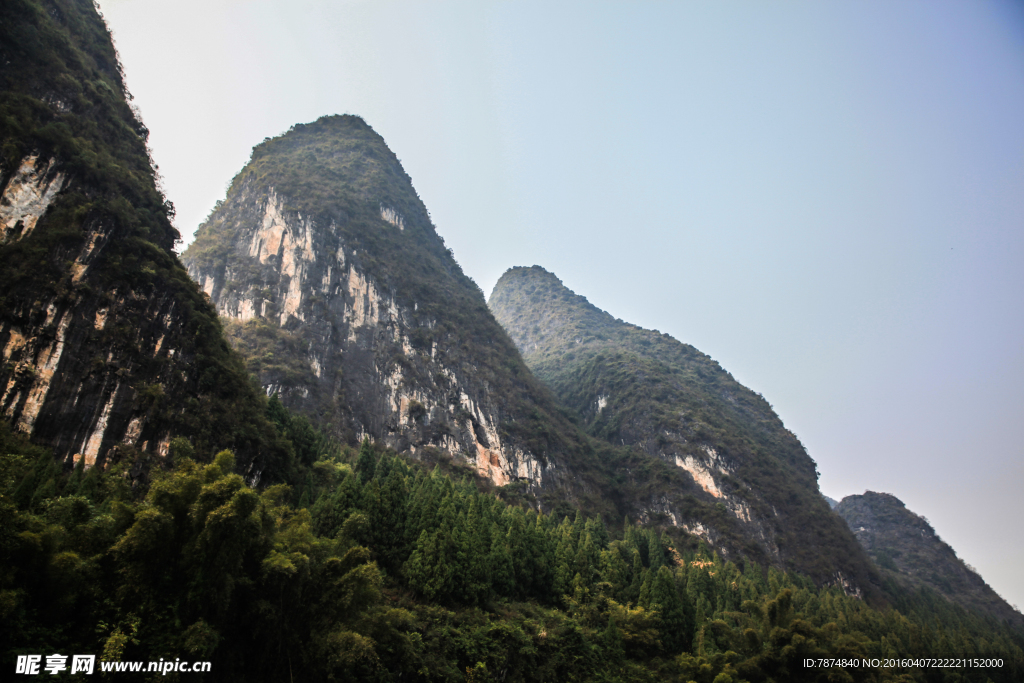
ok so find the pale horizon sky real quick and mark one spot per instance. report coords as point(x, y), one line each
point(826, 197)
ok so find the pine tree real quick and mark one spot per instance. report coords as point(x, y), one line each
point(519, 551)
point(585, 563)
point(431, 567)
point(655, 553)
point(501, 570)
point(645, 590)
point(332, 509)
point(367, 462)
point(383, 468)
point(703, 609)
point(388, 521)
point(540, 554)
point(614, 569)
point(565, 554)
point(475, 553)
point(665, 598)
point(637, 578)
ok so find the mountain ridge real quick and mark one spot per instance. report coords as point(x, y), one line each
point(646, 390)
point(906, 548)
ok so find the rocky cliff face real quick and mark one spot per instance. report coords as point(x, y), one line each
point(907, 548)
point(347, 304)
point(107, 346)
point(738, 478)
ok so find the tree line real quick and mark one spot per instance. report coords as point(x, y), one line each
point(398, 572)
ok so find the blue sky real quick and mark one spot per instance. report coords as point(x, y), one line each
point(827, 198)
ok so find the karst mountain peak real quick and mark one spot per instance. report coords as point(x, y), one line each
point(747, 482)
point(309, 449)
point(334, 284)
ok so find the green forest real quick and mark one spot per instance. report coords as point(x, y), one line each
point(374, 568)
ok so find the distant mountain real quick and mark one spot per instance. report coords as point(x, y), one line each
point(743, 481)
point(347, 304)
point(108, 349)
point(907, 548)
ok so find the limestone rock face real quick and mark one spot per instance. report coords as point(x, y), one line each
point(906, 546)
point(334, 284)
point(27, 194)
point(733, 474)
point(106, 346)
point(82, 373)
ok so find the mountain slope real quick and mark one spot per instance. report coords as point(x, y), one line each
point(906, 547)
point(751, 486)
point(107, 345)
point(347, 304)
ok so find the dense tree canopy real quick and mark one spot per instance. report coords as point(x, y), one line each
point(399, 572)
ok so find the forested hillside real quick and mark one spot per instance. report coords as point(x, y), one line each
point(752, 488)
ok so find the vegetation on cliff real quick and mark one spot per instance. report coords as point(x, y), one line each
point(667, 399)
point(339, 173)
point(910, 554)
point(147, 344)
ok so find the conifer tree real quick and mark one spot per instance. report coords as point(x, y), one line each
point(388, 521)
point(514, 547)
point(665, 599)
point(637, 578)
point(585, 563)
point(332, 508)
point(433, 567)
point(614, 569)
point(645, 590)
point(475, 552)
point(539, 564)
point(655, 553)
point(429, 569)
point(501, 570)
point(564, 556)
point(367, 462)
point(579, 523)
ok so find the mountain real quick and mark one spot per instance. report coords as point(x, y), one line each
point(742, 481)
point(906, 547)
point(371, 567)
point(109, 350)
point(334, 285)
point(347, 305)
point(342, 297)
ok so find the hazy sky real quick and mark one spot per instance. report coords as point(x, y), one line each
point(827, 198)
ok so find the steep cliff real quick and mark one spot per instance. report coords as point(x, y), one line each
point(107, 346)
point(741, 479)
point(348, 305)
point(906, 547)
